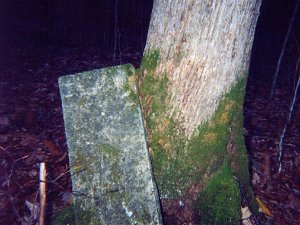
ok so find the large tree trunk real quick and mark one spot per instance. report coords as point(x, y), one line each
point(192, 84)
point(204, 46)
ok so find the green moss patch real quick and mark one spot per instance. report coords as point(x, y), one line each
point(219, 203)
point(150, 60)
point(215, 152)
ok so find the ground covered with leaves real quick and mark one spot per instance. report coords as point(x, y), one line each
point(267, 116)
point(265, 119)
point(32, 131)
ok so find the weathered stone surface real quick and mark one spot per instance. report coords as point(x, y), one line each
point(111, 171)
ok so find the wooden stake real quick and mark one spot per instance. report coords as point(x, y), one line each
point(42, 193)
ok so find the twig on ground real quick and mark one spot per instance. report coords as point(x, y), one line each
point(3, 149)
point(282, 136)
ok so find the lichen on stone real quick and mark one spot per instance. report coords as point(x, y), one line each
point(107, 148)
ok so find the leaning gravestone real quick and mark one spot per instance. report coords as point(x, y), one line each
point(110, 166)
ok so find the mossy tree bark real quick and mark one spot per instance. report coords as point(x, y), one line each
point(204, 46)
point(192, 84)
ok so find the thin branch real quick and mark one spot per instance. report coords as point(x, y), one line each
point(286, 124)
point(61, 175)
point(116, 28)
point(68, 170)
point(283, 48)
point(3, 149)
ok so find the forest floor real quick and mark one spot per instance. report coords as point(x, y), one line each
point(265, 120)
point(266, 117)
point(32, 131)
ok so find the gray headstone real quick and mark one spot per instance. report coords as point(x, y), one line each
point(111, 171)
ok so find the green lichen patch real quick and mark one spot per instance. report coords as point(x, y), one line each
point(178, 163)
point(106, 142)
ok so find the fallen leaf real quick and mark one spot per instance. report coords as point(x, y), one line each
point(263, 207)
point(34, 209)
point(246, 214)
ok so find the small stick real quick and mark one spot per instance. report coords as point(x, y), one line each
point(283, 48)
point(5, 150)
point(292, 104)
point(42, 193)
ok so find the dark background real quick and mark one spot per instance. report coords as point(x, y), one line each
point(75, 23)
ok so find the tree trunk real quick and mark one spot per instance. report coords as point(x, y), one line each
point(192, 87)
point(204, 47)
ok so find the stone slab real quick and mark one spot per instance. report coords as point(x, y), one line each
point(110, 166)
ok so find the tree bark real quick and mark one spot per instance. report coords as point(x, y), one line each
point(192, 84)
point(204, 47)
